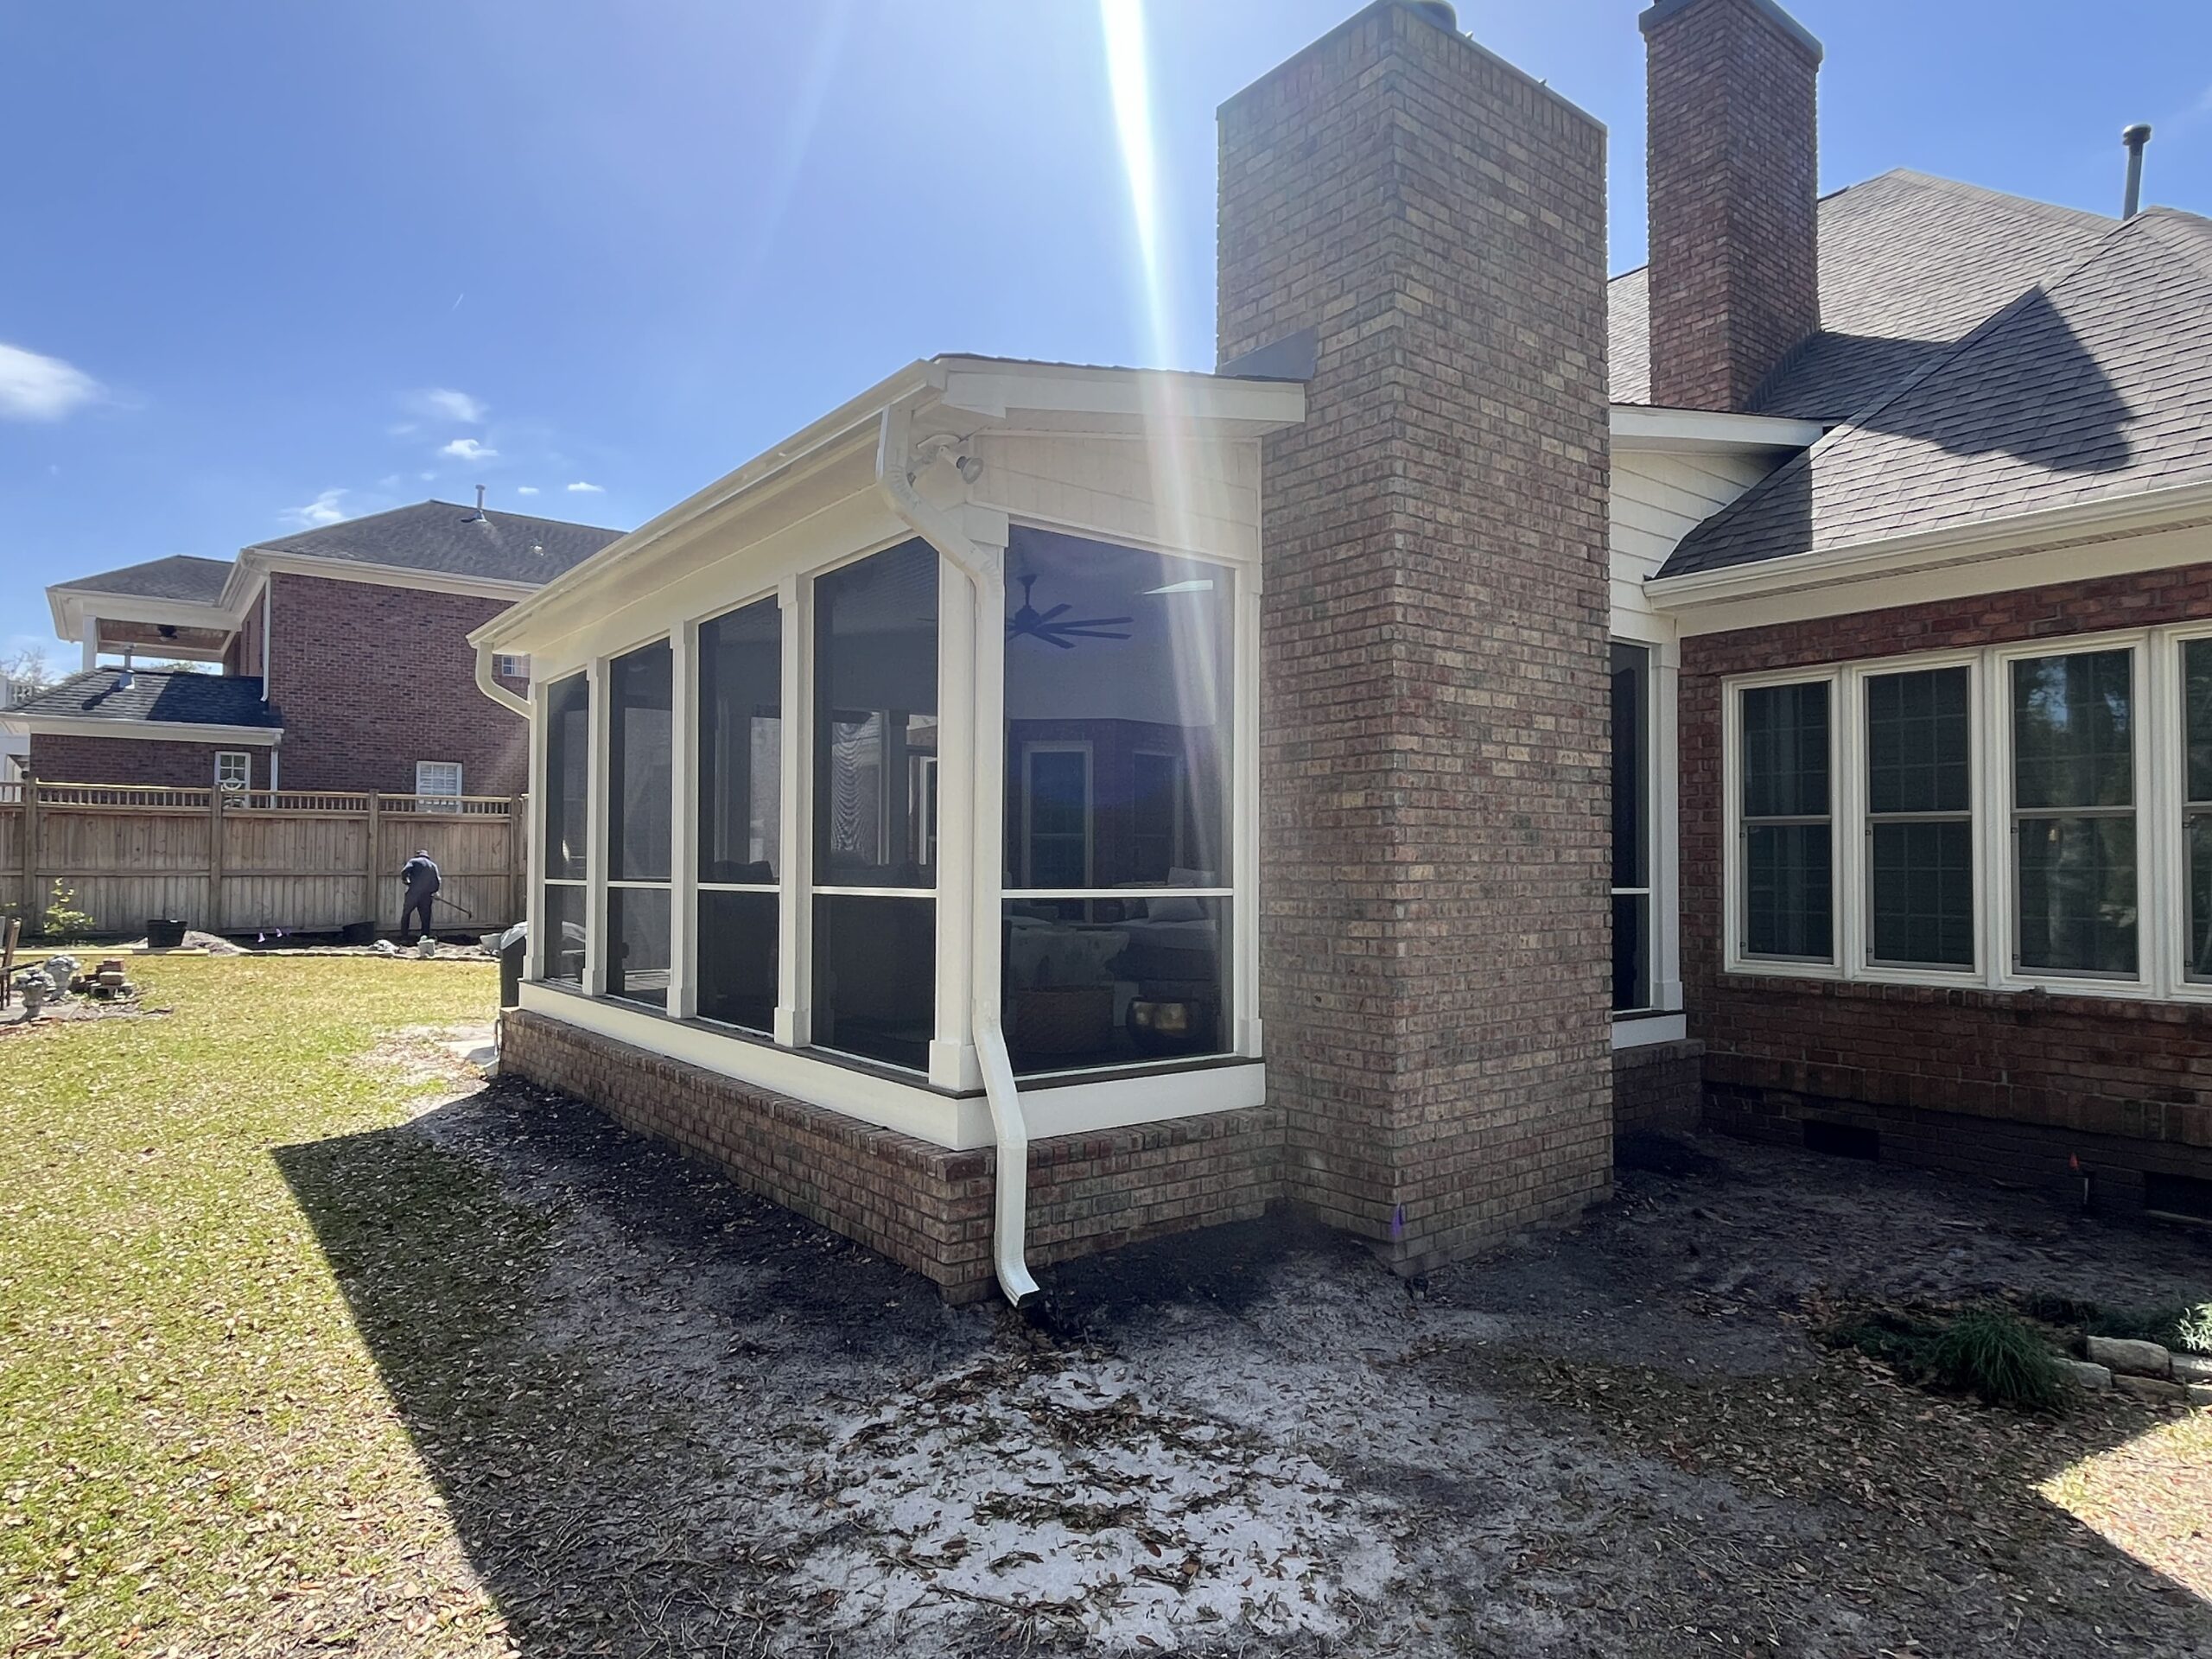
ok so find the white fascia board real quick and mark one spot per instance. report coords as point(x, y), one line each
point(1688, 431)
point(1003, 392)
point(165, 731)
point(74, 608)
point(1994, 557)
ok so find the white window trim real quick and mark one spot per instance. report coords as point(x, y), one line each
point(459, 780)
point(244, 758)
point(1029, 752)
point(2160, 761)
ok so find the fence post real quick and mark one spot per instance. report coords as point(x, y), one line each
point(32, 908)
point(215, 917)
point(376, 860)
point(517, 857)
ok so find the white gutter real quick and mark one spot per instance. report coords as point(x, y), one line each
point(488, 684)
point(1010, 1128)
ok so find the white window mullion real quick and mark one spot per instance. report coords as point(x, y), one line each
point(1244, 813)
point(1997, 836)
point(2158, 812)
point(1853, 890)
point(683, 821)
point(795, 875)
point(600, 791)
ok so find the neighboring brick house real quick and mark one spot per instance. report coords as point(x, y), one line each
point(339, 659)
point(1037, 806)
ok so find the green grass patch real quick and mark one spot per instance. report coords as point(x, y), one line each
point(194, 1439)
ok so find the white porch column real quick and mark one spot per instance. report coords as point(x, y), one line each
point(91, 643)
point(1244, 813)
point(795, 823)
point(533, 900)
point(598, 948)
point(959, 745)
point(683, 828)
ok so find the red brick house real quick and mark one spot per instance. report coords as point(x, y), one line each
point(341, 659)
point(1040, 806)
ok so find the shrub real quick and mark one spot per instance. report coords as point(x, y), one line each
point(62, 919)
point(1993, 1353)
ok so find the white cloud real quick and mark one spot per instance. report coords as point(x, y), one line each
point(581, 488)
point(525, 489)
point(323, 510)
point(34, 388)
point(468, 450)
point(443, 403)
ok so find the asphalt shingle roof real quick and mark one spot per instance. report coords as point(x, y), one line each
point(182, 576)
point(2094, 386)
point(156, 697)
point(1909, 264)
point(447, 540)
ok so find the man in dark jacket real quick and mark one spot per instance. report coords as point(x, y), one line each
point(421, 874)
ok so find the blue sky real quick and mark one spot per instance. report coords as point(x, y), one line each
point(270, 264)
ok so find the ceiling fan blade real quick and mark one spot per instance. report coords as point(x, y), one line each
point(1054, 611)
point(1053, 638)
point(1088, 634)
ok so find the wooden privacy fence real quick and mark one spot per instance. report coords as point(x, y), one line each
point(254, 861)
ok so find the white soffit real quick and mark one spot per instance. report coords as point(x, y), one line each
point(1687, 431)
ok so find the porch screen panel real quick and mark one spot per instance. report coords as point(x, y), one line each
point(1119, 686)
point(874, 806)
point(2196, 808)
point(1920, 819)
point(639, 815)
point(564, 815)
point(2074, 845)
point(740, 804)
point(1632, 817)
point(1788, 888)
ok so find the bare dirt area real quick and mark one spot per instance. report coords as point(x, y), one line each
point(667, 1419)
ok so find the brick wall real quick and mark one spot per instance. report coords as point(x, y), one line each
point(1659, 1086)
point(1435, 846)
point(922, 1205)
point(370, 679)
point(1732, 182)
point(2008, 1084)
point(135, 761)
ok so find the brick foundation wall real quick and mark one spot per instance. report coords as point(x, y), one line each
point(1659, 1087)
point(2006, 1084)
point(1732, 174)
point(923, 1206)
point(1434, 842)
point(60, 760)
point(370, 679)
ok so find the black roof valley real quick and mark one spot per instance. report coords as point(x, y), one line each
point(156, 697)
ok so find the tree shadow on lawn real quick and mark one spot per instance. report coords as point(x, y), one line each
point(606, 1358)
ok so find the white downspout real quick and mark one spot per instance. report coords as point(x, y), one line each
point(489, 686)
point(1010, 1128)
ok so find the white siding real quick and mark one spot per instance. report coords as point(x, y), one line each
point(1657, 500)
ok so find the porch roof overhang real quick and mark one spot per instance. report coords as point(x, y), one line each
point(952, 397)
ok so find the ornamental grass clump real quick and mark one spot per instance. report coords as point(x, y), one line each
point(1995, 1354)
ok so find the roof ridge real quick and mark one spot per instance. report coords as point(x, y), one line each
point(275, 543)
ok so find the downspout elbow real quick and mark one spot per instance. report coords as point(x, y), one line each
point(488, 684)
point(1010, 1128)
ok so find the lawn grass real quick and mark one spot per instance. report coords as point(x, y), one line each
point(196, 1453)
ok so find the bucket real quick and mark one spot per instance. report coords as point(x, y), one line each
point(164, 934)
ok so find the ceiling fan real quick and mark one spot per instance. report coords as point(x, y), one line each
point(1042, 625)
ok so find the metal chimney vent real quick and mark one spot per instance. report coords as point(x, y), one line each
point(2134, 137)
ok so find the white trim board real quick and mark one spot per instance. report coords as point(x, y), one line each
point(167, 731)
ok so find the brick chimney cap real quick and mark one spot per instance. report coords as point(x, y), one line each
point(1661, 10)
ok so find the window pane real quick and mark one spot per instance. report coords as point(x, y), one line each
point(875, 977)
point(1111, 981)
point(1917, 742)
point(1923, 893)
point(1632, 951)
point(564, 934)
point(2072, 730)
point(1117, 708)
point(1786, 911)
point(1631, 766)
point(737, 959)
point(1786, 751)
point(2197, 696)
point(640, 808)
point(568, 776)
point(741, 744)
point(2197, 948)
point(875, 719)
point(2078, 894)
point(637, 923)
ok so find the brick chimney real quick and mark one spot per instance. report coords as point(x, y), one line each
point(1733, 176)
point(1434, 736)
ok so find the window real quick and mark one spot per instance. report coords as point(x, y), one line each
point(1633, 816)
point(510, 668)
point(233, 770)
point(567, 816)
point(740, 814)
point(2074, 812)
point(640, 690)
point(876, 744)
point(1788, 884)
point(2197, 806)
point(438, 780)
point(1920, 818)
point(1116, 928)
